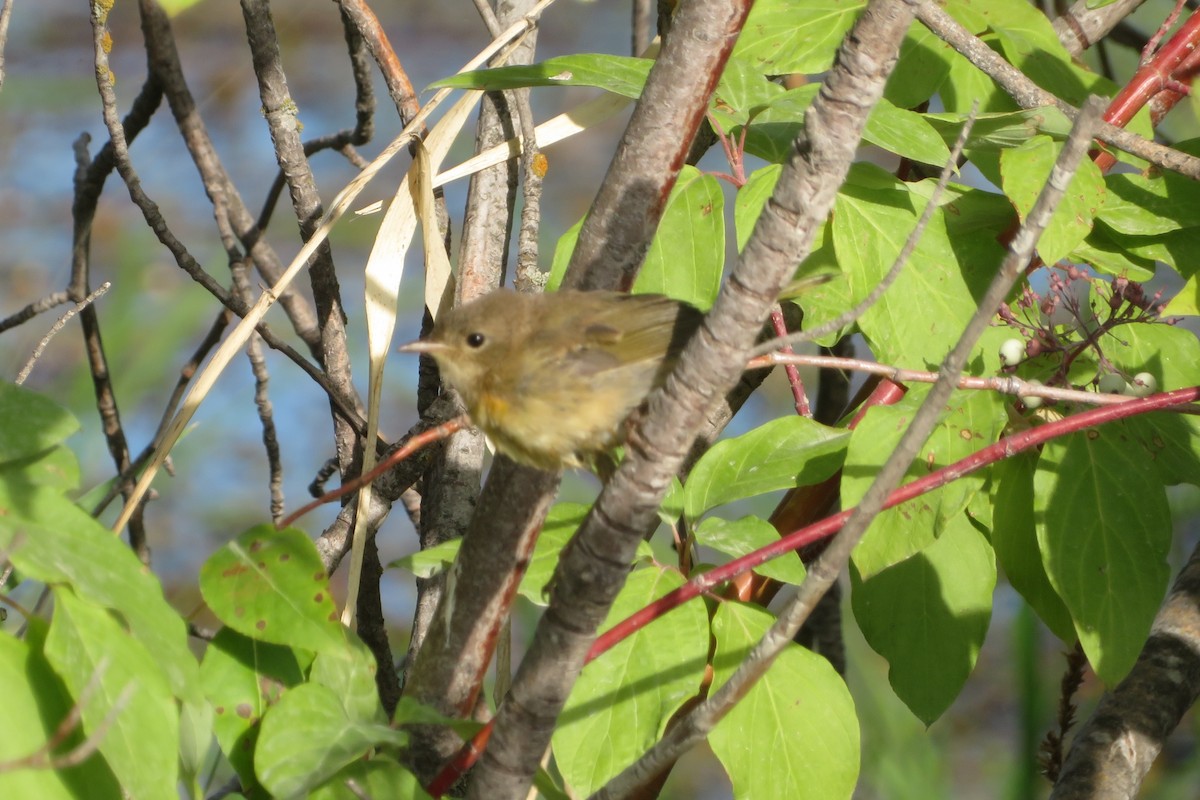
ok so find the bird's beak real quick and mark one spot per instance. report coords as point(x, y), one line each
point(422, 346)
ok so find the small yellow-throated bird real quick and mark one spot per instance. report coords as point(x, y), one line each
point(551, 378)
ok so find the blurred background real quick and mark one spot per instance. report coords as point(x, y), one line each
point(154, 316)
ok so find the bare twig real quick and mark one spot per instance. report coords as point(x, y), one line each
point(5, 14)
point(1005, 384)
point(33, 309)
point(58, 326)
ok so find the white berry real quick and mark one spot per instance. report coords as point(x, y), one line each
point(1032, 401)
point(1144, 384)
point(1112, 383)
point(1012, 352)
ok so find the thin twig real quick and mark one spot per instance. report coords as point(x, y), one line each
point(5, 13)
point(33, 309)
point(1004, 384)
point(58, 326)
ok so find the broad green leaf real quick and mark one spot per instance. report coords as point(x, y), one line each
point(35, 703)
point(741, 94)
point(1025, 170)
point(1105, 254)
point(622, 701)
point(1105, 556)
point(430, 561)
point(795, 733)
point(971, 421)
point(30, 422)
point(86, 645)
point(621, 75)
point(751, 197)
point(775, 126)
point(687, 254)
point(928, 616)
point(873, 217)
point(1002, 130)
point(1027, 40)
point(270, 585)
point(1140, 205)
point(1187, 301)
point(351, 673)
point(739, 537)
point(966, 84)
point(1178, 249)
point(307, 737)
point(55, 468)
point(1014, 537)
point(378, 777)
point(785, 36)
point(923, 66)
point(51, 540)
point(1170, 442)
point(905, 133)
point(780, 454)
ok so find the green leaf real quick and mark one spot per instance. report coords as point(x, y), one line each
point(751, 197)
point(242, 678)
point(195, 741)
point(560, 525)
point(785, 36)
point(923, 66)
point(430, 561)
point(777, 122)
point(622, 701)
point(378, 777)
point(351, 673)
point(1187, 301)
point(1105, 254)
point(55, 468)
point(873, 217)
point(1026, 169)
point(781, 454)
point(1002, 130)
point(1140, 205)
point(53, 541)
point(87, 646)
point(795, 733)
point(928, 616)
point(687, 255)
point(30, 422)
point(622, 75)
point(307, 737)
point(740, 537)
point(905, 133)
point(35, 697)
point(1014, 537)
point(270, 585)
point(971, 421)
point(1105, 556)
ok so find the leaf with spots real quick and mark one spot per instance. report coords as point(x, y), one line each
point(241, 679)
point(270, 585)
point(970, 422)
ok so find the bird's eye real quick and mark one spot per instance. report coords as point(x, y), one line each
point(475, 340)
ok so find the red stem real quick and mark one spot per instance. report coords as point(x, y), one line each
point(1006, 447)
